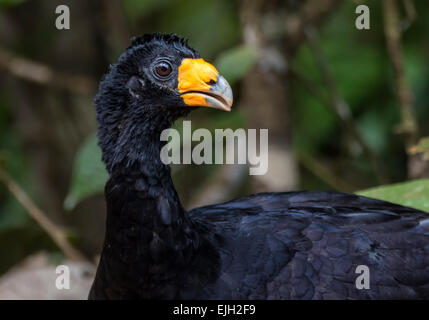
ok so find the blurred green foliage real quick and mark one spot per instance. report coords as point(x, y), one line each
point(234, 63)
point(12, 159)
point(136, 9)
point(89, 173)
point(209, 25)
point(414, 194)
point(8, 3)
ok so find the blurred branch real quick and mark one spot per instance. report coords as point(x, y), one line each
point(54, 231)
point(337, 103)
point(421, 147)
point(312, 165)
point(264, 95)
point(310, 86)
point(408, 125)
point(325, 174)
point(312, 11)
point(411, 12)
point(44, 75)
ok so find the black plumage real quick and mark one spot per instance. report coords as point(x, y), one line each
point(296, 245)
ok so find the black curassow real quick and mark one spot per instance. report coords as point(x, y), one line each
point(294, 245)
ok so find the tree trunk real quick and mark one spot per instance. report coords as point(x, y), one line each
point(275, 30)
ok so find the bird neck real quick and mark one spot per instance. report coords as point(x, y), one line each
point(146, 224)
point(150, 242)
point(149, 184)
point(129, 136)
point(140, 188)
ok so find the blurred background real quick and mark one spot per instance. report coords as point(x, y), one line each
point(346, 110)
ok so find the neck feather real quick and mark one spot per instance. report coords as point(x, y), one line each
point(137, 172)
point(150, 241)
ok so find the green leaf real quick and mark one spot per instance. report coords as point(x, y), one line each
point(414, 194)
point(234, 63)
point(89, 173)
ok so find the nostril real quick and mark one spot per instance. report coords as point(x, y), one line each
point(211, 82)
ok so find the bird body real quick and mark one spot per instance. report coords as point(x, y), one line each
point(308, 245)
point(296, 245)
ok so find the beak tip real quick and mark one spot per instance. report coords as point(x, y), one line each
point(223, 89)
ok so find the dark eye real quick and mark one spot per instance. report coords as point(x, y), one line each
point(163, 69)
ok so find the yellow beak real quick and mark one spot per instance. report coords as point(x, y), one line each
point(201, 85)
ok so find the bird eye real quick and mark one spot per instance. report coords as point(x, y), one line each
point(163, 69)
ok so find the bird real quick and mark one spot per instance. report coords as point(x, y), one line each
point(284, 245)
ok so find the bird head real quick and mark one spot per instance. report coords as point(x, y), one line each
point(155, 81)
